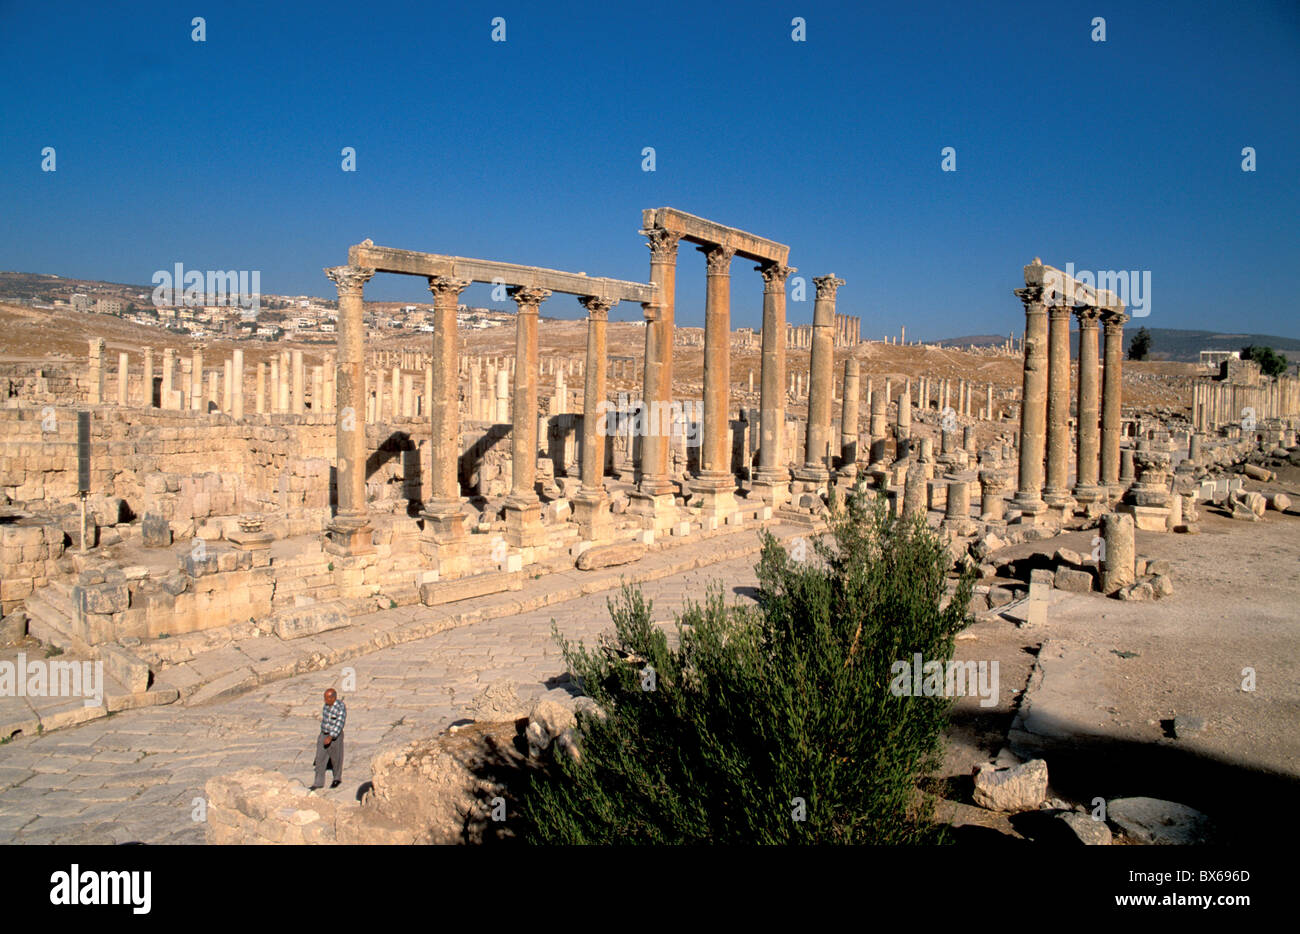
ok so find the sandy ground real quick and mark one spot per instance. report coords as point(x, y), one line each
point(1115, 675)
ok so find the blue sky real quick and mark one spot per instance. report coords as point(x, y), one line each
point(225, 154)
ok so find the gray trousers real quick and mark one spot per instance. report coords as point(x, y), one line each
point(330, 757)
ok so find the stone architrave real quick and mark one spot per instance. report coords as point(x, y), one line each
point(349, 532)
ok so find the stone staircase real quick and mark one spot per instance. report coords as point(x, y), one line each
point(54, 619)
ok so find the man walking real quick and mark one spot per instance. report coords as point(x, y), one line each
point(329, 745)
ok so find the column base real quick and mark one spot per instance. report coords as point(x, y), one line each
point(658, 512)
point(591, 513)
point(348, 535)
point(715, 493)
point(1033, 511)
point(524, 523)
point(774, 491)
point(442, 540)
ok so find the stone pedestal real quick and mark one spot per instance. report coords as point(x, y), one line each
point(442, 540)
point(592, 515)
point(524, 523)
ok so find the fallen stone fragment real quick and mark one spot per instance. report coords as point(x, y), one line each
point(1019, 788)
point(1155, 822)
point(1087, 831)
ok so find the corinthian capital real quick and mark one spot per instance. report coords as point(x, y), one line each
point(597, 307)
point(774, 276)
point(827, 286)
point(663, 244)
point(1032, 296)
point(349, 279)
point(1088, 315)
point(528, 297)
point(1114, 320)
point(718, 259)
point(442, 286)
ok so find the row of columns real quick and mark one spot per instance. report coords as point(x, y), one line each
point(1045, 409)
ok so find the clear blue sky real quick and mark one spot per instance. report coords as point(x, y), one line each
point(225, 154)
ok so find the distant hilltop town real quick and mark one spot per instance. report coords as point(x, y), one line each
point(278, 317)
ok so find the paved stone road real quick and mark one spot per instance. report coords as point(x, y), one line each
point(135, 775)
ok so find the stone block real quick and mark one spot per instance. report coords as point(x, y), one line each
point(1075, 581)
point(1018, 788)
point(604, 556)
point(155, 531)
point(310, 620)
point(124, 667)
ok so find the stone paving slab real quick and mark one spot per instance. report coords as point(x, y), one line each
point(135, 776)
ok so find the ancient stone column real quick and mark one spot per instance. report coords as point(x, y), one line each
point(237, 385)
point(1118, 560)
point(327, 401)
point(299, 384)
point(148, 378)
point(95, 394)
point(879, 426)
point(1033, 406)
point(658, 387)
point(1056, 492)
point(849, 419)
point(590, 509)
point(1086, 490)
point(428, 390)
point(261, 389)
point(275, 384)
point(444, 520)
point(913, 492)
point(196, 381)
point(1112, 398)
point(123, 380)
point(226, 391)
point(214, 388)
point(988, 403)
point(349, 532)
point(957, 509)
point(716, 484)
point(523, 509)
point(286, 382)
point(821, 367)
point(993, 484)
point(773, 477)
point(904, 432)
point(168, 375)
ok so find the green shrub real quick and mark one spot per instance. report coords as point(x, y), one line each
point(758, 707)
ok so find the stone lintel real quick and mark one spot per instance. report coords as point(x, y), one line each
point(703, 232)
point(410, 262)
point(1061, 289)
